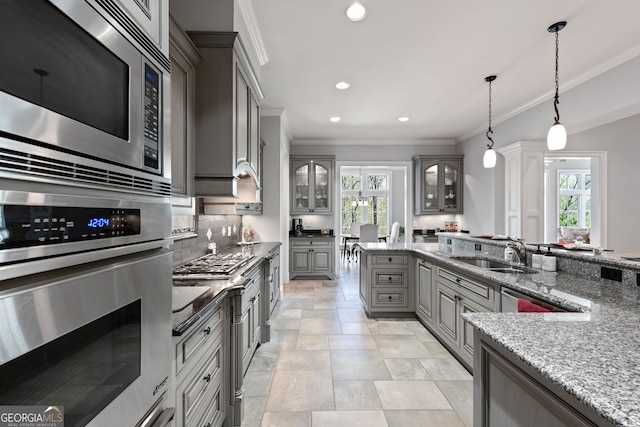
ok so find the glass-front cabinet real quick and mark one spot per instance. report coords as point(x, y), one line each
point(311, 185)
point(438, 184)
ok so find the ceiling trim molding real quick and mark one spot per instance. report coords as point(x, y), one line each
point(249, 16)
point(582, 78)
point(373, 142)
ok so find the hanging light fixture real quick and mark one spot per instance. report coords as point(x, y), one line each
point(489, 159)
point(360, 201)
point(557, 136)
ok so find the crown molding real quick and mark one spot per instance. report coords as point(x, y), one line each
point(369, 142)
point(249, 16)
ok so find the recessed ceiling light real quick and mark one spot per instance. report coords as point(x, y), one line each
point(342, 85)
point(335, 119)
point(403, 119)
point(356, 12)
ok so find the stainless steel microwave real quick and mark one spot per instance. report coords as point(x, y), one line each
point(75, 80)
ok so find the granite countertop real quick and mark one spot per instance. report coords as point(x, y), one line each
point(607, 257)
point(218, 289)
point(591, 353)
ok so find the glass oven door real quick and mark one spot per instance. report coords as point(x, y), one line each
point(93, 340)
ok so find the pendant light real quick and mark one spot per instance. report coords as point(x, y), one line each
point(557, 136)
point(489, 159)
point(360, 201)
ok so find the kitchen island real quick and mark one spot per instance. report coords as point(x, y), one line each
point(585, 359)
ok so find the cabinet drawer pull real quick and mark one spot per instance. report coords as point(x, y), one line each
point(390, 297)
point(207, 331)
point(390, 278)
point(207, 377)
point(457, 280)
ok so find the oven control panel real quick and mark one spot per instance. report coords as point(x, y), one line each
point(22, 225)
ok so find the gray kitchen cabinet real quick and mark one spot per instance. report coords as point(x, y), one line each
point(425, 291)
point(439, 183)
point(311, 256)
point(271, 291)
point(384, 283)
point(227, 115)
point(274, 280)
point(202, 366)
point(246, 327)
point(184, 58)
point(457, 294)
point(508, 392)
point(251, 317)
point(312, 184)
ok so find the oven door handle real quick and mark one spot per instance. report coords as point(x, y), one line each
point(164, 418)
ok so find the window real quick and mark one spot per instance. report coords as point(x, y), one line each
point(574, 198)
point(364, 198)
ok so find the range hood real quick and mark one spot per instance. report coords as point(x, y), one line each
point(247, 203)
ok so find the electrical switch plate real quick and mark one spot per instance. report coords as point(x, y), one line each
point(448, 241)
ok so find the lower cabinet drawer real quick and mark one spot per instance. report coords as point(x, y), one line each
point(203, 335)
point(213, 408)
point(390, 259)
point(479, 292)
point(396, 298)
point(196, 395)
point(389, 277)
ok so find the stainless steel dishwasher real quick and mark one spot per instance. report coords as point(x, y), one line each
point(509, 300)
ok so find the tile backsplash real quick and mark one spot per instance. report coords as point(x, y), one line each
point(225, 231)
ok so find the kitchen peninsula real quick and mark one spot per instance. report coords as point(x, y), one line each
point(580, 363)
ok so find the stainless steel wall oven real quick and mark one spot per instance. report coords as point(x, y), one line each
point(85, 216)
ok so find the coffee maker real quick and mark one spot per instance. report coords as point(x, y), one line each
point(297, 226)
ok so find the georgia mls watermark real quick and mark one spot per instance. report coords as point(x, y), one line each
point(31, 416)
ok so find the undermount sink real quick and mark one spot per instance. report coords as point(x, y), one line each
point(494, 265)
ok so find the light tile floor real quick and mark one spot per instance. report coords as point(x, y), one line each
point(329, 365)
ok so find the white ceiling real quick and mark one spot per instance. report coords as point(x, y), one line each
point(427, 59)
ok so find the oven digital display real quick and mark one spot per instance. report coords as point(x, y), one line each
point(22, 226)
point(99, 222)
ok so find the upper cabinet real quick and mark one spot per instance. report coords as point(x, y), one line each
point(227, 115)
point(184, 58)
point(311, 184)
point(438, 184)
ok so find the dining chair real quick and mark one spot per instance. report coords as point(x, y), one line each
point(395, 232)
point(348, 247)
point(368, 234)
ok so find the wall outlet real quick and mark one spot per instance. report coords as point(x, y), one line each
point(478, 247)
point(611, 273)
point(448, 241)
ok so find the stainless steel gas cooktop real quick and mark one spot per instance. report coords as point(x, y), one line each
point(212, 266)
